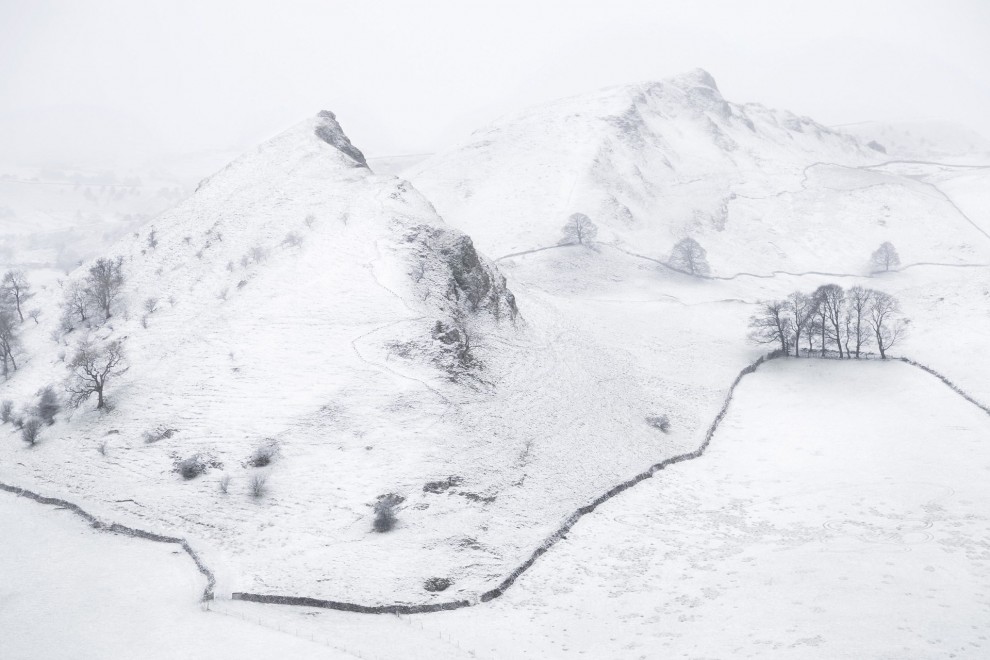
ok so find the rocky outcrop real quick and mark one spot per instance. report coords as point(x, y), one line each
point(329, 130)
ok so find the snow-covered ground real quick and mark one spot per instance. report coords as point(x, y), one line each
point(71, 593)
point(839, 512)
point(297, 292)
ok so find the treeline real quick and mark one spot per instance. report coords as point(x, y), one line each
point(830, 318)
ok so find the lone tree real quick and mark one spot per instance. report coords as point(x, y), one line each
point(887, 327)
point(77, 301)
point(772, 324)
point(579, 229)
point(689, 257)
point(90, 369)
point(886, 257)
point(16, 289)
point(8, 340)
point(104, 282)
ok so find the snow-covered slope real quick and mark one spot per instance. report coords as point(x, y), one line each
point(303, 302)
point(650, 164)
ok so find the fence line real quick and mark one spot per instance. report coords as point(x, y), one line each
point(115, 528)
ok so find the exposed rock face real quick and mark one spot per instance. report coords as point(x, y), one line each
point(470, 283)
point(328, 130)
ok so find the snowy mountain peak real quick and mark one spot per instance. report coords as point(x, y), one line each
point(694, 78)
point(328, 129)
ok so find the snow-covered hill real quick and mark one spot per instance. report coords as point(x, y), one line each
point(300, 301)
point(933, 141)
point(650, 164)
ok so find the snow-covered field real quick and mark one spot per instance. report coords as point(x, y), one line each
point(839, 512)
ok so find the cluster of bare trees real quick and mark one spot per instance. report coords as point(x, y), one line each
point(830, 318)
point(97, 294)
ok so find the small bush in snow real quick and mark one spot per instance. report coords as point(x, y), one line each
point(264, 454)
point(18, 422)
point(385, 518)
point(158, 434)
point(6, 410)
point(48, 405)
point(224, 483)
point(258, 254)
point(292, 239)
point(437, 584)
point(191, 467)
point(659, 422)
point(258, 485)
point(310, 219)
point(34, 314)
point(150, 305)
point(101, 447)
point(31, 431)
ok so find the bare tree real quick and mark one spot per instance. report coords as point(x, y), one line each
point(30, 431)
point(105, 280)
point(16, 288)
point(772, 324)
point(34, 314)
point(802, 308)
point(9, 341)
point(579, 229)
point(858, 302)
point(689, 257)
point(831, 298)
point(886, 257)
point(91, 368)
point(77, 300)
point(887, 328)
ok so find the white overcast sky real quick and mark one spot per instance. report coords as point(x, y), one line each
point(93, 81)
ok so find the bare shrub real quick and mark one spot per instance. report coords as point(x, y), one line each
point(157, 434)
point(150, 305)
point(437, 584)
point(257, 254)
point(223, 294)
point(292, 239)
point(310, 219)
point(34, 314)
point(48, 405)
point(264, 454)
point(31, 431)
point(191, 467)
point(258, 485)
point(102, 447)
point(659, 422)
point(6, 410)
point(224, 483)
point(385, 517)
